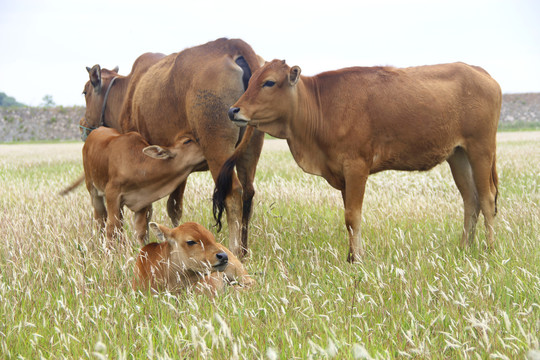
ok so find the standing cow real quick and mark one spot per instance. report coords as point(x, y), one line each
point(347, 124)
point(191, 91)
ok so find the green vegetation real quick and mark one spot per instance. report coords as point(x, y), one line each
point(416, 294)
point(8, 100)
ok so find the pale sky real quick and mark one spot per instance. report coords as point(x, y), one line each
point(45, 45)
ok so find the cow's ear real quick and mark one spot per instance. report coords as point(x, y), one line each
point(157, 152)
point(95, 77)
point(163, 233)
point(294, 75)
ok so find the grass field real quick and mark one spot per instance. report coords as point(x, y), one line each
point(415, 295)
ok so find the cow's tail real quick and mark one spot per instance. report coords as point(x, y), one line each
point(225, 178)
point(71, 187)
point(495, 181)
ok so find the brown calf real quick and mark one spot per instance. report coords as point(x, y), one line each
point(347, 124)
point(123, 169)
point(187, 257)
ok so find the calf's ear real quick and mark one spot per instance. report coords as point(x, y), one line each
point(157, 152)
point(95, 77)
point(163, 233)
point(294, 75)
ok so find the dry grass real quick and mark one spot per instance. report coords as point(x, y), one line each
point(64, 295)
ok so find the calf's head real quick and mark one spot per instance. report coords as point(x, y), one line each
point(185, 153)
point(270, 99)
point(192, 248)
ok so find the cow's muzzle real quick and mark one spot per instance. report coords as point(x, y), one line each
point(223, 261)
point(233, 115)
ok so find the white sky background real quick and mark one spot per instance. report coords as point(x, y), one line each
point(45, 45)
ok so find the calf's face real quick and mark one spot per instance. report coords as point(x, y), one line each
point(185, 152)
point(193, 248)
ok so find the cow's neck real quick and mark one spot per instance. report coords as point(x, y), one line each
point(115, 103)
point(307, 129)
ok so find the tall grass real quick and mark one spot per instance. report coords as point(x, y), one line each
point(64, 294)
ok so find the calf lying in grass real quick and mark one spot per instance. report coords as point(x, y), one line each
point(187, 258)
point(123, 169)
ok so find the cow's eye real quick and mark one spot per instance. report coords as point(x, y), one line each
point(269, 83)
point(191, 242)
point(187, 141)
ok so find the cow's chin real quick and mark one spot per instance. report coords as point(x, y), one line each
point(240, 123)
point(221, 266)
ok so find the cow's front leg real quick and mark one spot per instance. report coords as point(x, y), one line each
point(142, 217)
point(353, 196)
point(175, 204)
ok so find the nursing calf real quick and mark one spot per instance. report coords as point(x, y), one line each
point(123, 169)
point(187, 258)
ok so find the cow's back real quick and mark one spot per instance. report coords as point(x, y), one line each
point(410, 118)
point(96, 155)
point(191, 89)
point(150, 267)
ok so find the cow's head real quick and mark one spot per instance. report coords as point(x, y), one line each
point(184, 154)
point(270, 99)
point(193, 248)
point(94, 95)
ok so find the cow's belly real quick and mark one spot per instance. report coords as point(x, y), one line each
point(138, 199)
point(419, 156)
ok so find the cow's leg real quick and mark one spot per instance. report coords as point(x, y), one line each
point(482, 163)
point(100, 211)
point(175, 204)
point(353, 196)
point(463, 176)
point(233, 206)
point(245, 168)
point(115, 216)
point(142, 217)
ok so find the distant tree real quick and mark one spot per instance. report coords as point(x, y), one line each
point(8, 100)
point(48, 101)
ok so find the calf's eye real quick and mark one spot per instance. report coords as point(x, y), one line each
point(269, 83)
point(187, 141)
point(191, 242)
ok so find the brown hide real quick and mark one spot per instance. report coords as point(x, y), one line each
point(118, 173)
point(191, 91)
point(344, 125)
point(188, 257)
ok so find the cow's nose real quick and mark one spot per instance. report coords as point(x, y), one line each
point(232, 112)
point(222, 257)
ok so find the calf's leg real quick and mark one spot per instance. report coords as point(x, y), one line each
point(463, 177)
point(175, 204)
point(482, 163)
point(353, 196)
point(115, 216)
point(142, 217)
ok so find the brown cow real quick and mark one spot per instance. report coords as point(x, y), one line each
point(123, 169)
point(187, 257)
point(192, 91)
point(344, 125)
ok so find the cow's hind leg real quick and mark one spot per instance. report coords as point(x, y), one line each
point(175, 204)
point(463, 176)
point(100, 211)
point(115, 216)
point(485, 177)
point(142, 217)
